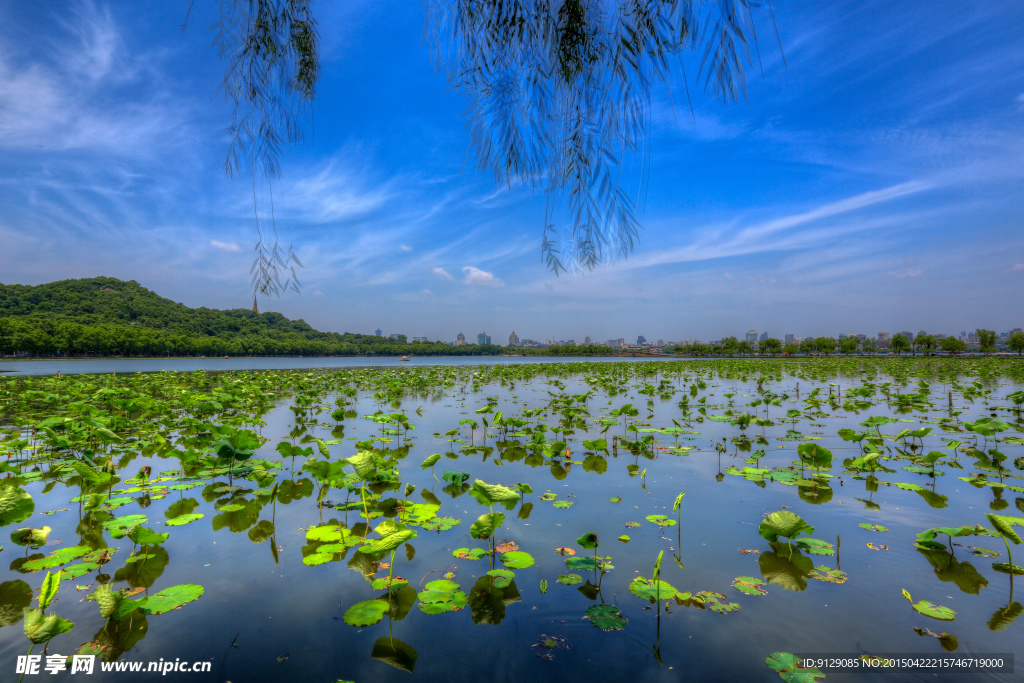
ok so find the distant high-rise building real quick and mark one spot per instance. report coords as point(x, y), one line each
point(379, 333)
point(752, 336)
point(460, 340)
point(419, 340)
point(661, 342)
point(908, 334)
point(641, 339)
point(513, 339)
point(586, 340)
point(921, 333)
point(482, 338)
point(883, 336)
point(789, 338)
point(764, 335)
point(394, 335)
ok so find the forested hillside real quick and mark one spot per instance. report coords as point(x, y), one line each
point(105, 316)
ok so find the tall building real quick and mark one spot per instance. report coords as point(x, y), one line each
point(641, 339)
point(460, 340)
point(587, 341)
point(908, 334)
point(482, 339)
point(789, 339)
point(752, 336)
point(764, 335)
point(379, 333)
point(419, 340)
point(921, 333)
point(513, 339)
point(883, 336)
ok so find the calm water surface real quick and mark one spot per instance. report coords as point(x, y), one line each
point(285, 618)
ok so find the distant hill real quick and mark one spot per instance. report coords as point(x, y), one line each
point(105, 316)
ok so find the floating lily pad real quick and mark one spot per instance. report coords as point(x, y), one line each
point(442, 596)
point(715, 602)
point(569, 579)
point(469, 554)
point(660, 520)
point(170, 598)
point(56, 558)
point(517, 559)
point(562, 504)
point(365, 613)
point(624, 538)
point(548, 496)
point(872, 527)
point(502, 577)
point(828, 575)
point(615, 499)
point(749, 585)
point(184, 519)
point(815, 546)
point(589, 563)
point(441, 523)
point(651, 590)
point(606, 617)
point(788, 667)
point(930, 609)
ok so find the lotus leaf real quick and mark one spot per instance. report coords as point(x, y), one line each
point(569, 579)
point(56, 558)
point(486, 524)
point(589, 563)
point(562, 504)
point(35, 537)
point(714, 602)
point(440, 523)
point(502, 577)
point(606, 617)
point(649, 589)
point(184, 519)
point(442, 596)
point(389, 542)
point(815, 546)
point(467, 554)
point(828, 575)
point(365, 613)
point(872, 527)
point(783, 523)
point(517, 559)
point(40, 629)
point(588, 540)
point(749, 585)
point(789, 669)
point(661, 520)
point(1007, 568)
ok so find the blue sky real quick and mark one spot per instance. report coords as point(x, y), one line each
point(874, 184)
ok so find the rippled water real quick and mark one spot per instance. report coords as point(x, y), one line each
point(267, 616)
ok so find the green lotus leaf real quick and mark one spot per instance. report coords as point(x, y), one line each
point(315, 559)
point(714, 601)
point(170, 598)
point(589, 563)
point(588, 540)
point(615, 499)
point(365, 613)
point(29, 536)
point(457, 478)
point(184, 519)
point(1007, 568)
point(749, 585)
point(120, 526)
point(517, 559)
point(606, 617)
point(40, 628)
point(783, 523)
point(1004, 527)
point(390, 584)
point(523, 488)
point(815, 546)
point(430, 460)
point(828, 575)
point(146, 536)
point(486, 525)
point(569, 579)
point(389, 542)
point(562, 504)
point(624, 538)
point(502, 577)
point(649, 589)
point(441, 523)
point(872, 527)
point(56, 558)
point(789, 669)
point(469, 554)
point(661, 520)
point(16, 505)
point(442, 596)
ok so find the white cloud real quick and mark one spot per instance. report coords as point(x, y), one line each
point(442, 273)
point(405, 247)
point(226, 246)
point(481, 278)
point(1017, 266)
point(909, 272)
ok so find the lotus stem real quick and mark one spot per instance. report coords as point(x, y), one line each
point(30, 647)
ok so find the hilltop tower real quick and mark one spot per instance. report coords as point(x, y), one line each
point(255, 308)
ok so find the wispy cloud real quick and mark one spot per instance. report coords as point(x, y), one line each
point(441, 273)
point(480, 278)
point(226, 246)
point(907, 272)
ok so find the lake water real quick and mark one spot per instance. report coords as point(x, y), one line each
point(109, 365)
point(267, 615)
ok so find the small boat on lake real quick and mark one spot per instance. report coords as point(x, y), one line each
point(404, 358)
